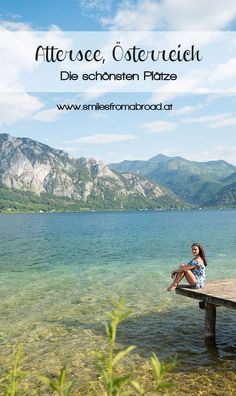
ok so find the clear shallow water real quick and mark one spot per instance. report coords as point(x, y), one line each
point(60, 272)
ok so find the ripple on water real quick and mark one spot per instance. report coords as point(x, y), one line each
point(60, 274)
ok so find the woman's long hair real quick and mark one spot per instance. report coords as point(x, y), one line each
point(201, 252)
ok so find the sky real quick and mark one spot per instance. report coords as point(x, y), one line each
point(200, 127)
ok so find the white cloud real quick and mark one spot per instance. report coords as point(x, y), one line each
point(159, 126)
point(91, 95)
point(215, 79)
point(173, 15)
point(15, 107)
point(189, 83)
point(70, 149)
point(198, 15)
point(206, 119)
point(98, 115)
point(214, 121)
point(186, 110)
point(143, 16)
point(17, 47)
point(224, 71)
point(48, 115)
point(13, 26)
point(231, 121)
point(18, 106)
point(94, 6)
point(215, 153)
point(101, 139)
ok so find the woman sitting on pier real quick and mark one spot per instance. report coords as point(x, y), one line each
point(194, 271)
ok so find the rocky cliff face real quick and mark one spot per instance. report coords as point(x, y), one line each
point(28, 165)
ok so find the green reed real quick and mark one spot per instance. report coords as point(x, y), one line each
point(113, 385)
point(110, 382)
point(10, 383)
point(59, 385)
point(107, 362)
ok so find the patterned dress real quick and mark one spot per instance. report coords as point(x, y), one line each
point(199, 271)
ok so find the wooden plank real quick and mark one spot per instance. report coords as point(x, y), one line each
point(220, 292)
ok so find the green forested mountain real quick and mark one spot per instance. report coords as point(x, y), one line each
point(34, 176)
point(230, 179)
point(199, 183)
point(226, 196)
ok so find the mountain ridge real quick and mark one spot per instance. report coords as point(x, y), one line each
point(32, 167)
point(194, 182)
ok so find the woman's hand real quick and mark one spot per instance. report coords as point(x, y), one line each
point(173, 273)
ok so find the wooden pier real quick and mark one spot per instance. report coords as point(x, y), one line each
point(214, 294)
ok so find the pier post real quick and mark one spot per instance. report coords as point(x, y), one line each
point(210, 321)
point(220, 293)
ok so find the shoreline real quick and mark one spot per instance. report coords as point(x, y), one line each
point(8, 212)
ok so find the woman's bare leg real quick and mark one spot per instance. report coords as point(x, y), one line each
point(190, 278)
point(176, 281)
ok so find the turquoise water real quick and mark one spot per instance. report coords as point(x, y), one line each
point(60, 272)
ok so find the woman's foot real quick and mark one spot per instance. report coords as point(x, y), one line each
point(172, 287)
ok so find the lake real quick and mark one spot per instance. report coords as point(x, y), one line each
point(60, 274)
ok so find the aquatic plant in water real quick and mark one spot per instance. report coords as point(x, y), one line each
point(107, 362)
point(112, 384)
point(10, 383)
point(59, 385)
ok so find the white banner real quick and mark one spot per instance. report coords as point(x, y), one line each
point(140, 61)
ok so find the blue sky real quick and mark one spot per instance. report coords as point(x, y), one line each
point(200, 127)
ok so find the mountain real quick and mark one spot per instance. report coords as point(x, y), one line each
point(194, 182)
point(230, 179)
point(34, 175)
point(226, 196)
